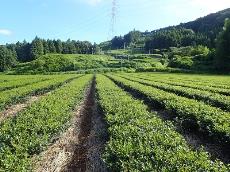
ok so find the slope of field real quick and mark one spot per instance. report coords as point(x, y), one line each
point(31, 130)
point(64, 62)
point(13, 95)
point(140, 141)
point(85, 63)
point(213, 120)
point(115, 122)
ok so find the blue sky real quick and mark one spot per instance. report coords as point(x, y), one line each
point(91, 19)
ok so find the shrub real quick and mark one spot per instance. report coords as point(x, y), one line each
point(181, 62)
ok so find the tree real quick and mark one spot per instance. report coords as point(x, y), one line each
point(58, 45)
point(117, 42)
point(96, 49)
point(37, 49)
point(23, 51)
point(26, 51)
point(132, 37)
point(222, 59)
point(7, 58)
point(52, 47)
point(71, 46)
point(45, 46)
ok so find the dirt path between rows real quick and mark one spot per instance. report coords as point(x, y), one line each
point(80, 147)
point(13, 110)
point(195, 138)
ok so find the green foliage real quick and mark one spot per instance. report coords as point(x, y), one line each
point(45, 46)
point(63, 63)
point(51, 63)
point(32, 130)
point(58, 46)
point(174, 37)
point(222, 60)
point(7, 59)
point(163, 69)
point(132, 38)
point(14, 95)
point(195, 58)
point(21, 81)
point(27, 52)
point(181, 62)
point(23, 51)
point(195, 36)
point(140, 141)
point(118, 52)
point(117, 42)
point(51, 46)
point(189, 51)
point(214, 99)
point(210, 25)
point(200, 50)
point(208, 118)
point(87, 63)
point(37, 49)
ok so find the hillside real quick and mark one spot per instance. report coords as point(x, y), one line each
point(189, 46)
point(154, 101)
point(202, 31)
point(148, 121)
point(84, 63)
point(210, 25)
point(64, 62)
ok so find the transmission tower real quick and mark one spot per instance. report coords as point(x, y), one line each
point(113, 18)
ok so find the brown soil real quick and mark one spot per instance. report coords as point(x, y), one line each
point(13, 110)
point(96, 142)
point(79, 158)
point(195, 138)
point(199, 140)
point(80, 147)
point(58, 154)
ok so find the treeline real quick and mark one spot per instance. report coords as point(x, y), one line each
point(175, 37)
point(8, 58)
point(203, 58)
point(209, 25)
point(202, 31)
point(24, 51)
point(30, 51)
point(213, 55)
point(160, 39)
point(129, 40)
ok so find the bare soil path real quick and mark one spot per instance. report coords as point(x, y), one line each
point(13, 110)
point(80, 147)
point(195, 138)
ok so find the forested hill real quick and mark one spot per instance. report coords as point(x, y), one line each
point(202, 31)
point(209, 24)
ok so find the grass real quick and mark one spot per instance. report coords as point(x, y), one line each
point(83, 62)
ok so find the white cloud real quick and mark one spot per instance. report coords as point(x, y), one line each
point(5, 32)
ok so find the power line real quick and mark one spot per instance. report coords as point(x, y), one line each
point(86, 22)
point(113, 18)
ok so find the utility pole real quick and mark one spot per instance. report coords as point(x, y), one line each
point(124, 45)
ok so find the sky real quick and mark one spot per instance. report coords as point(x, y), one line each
point(91, 19)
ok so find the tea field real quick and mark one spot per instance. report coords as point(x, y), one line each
point(115, 122)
